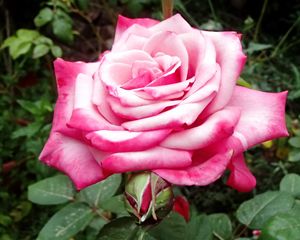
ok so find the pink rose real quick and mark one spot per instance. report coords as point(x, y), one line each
point(163, 99)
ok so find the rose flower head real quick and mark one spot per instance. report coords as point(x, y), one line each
point(163, 99)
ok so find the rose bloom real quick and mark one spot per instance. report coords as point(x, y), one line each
point(163, 99)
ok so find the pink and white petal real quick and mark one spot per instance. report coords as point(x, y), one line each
point(175, 24)
point(125, 141)
point(160, 43)
point(73, 158)
point(154, 158)
point(164, 91)
point(205, 172)
point(184, 114)
point(99, 99)
point(127, 97)
point(140, 111)
point(84, 109)
point(262, 115)
point(115, 74)
point(66, 74)
point(206, 67)
point(124, 23)
point(211, 86)
point(130, 41)
point(195, 46)
point(218, 126)
point(87, 120)
point(231, 59)
point(240, 177)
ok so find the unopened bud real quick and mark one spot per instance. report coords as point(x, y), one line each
point(147, 196)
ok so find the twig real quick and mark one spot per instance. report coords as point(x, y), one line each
point(167, 8)
point(262, 13)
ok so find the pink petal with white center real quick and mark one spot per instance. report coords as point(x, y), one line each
point(157, 157)
point(194, 43)
point(262, 115)
point(203, 173)
point(124, 23)
point(231, 59)
point(73, 158)
point(66, 74)
point(184, 114)
point(160, 43)
point(115, 73)
point(206, 67)
point(84, 109)
point(211, 86)
point(218, 126)
point(164, 91)
point(174, 24)
point(125, 141)
point(140, 111)
point(240, 177)
point(99, 99)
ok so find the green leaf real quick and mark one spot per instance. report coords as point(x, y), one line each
point(56, 51)
point(19, 48)
point(40, 50)
point(66, 222)
point(255, 212)
point(115, 205)
point(44, 16)
point(295, 142)
point(242, 82)
point(221, 226)
point(101, 192)
point(53, 190)
point(13, 40)
point(27, 35)
point(43, 40)
point(294, 155)
point(62, 28)
point(28, 131)
point(291, 184)
point(254, 47)
point(119, 229)
point(171, 227)
point(199, 228)
point(283, 226)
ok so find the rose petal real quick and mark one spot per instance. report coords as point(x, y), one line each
point(66, 74)
point(84, 109)
point(262, 115)
point(73, 158)
point(174, 24)
point(218, 126)
point(174, 118)
point(160, 42)
point(125, 141)
point(204, 173)
point(240, 177)
point(157, 157)
point(206, 67)
point(195, 45)
point(124, 23)
point(231, 59)
point(139, 111)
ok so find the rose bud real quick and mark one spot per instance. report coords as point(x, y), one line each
point(147, 196)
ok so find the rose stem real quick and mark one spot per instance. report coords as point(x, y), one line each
point(167, 8)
